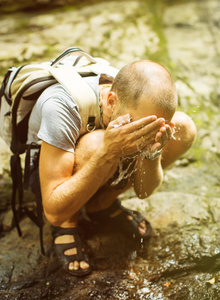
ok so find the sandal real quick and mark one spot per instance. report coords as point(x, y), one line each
point(121, 221)
point(65, 259)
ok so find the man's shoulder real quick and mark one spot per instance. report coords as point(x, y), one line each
point(56, 90)
point(55, 95)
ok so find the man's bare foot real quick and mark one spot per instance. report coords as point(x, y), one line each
point(69, 249)
point(74, 265)
point(142, 226)
point(123, 219)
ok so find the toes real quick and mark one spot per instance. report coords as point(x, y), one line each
point(76, 265)
point(142, 231)
point(142, 228)
point(84, 265)
point(130, 218)
point(142, 225)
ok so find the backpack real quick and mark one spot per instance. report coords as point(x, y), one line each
point(19, 92)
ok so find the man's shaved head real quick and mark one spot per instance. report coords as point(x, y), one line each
point(145, 80)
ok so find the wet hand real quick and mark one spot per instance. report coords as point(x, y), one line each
point(123, 137)
point(161, 138)
point(164, 135)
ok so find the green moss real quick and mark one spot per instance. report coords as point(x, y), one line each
point(157, 7)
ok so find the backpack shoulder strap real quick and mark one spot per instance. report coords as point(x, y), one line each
point(104, 70)
point(82, 93)
point(73, 82)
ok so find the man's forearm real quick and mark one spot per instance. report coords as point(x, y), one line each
point(148, 176)
point(72, 194)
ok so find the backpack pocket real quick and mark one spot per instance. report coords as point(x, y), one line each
point(5, 121)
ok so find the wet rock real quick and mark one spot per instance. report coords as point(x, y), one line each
point(175, 209)
point(191, 32)
point(7, 219)
point(78, 27)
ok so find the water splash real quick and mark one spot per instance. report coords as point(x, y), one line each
point(142, 243)
point(117, 125)
point(121, 123)
point(148, 153)
point(127, 172)
point(125, 169)
point(176, 130)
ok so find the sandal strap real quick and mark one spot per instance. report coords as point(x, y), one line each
point(136, 215)
point(59, 231)
point(77, 244)
point(79, 255)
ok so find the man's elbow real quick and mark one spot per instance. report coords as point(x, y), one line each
point(143, 193)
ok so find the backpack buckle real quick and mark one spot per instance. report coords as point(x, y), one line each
point(91, 124)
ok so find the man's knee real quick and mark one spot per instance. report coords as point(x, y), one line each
point(87, 145)
point(90, 140)
point(185, 129)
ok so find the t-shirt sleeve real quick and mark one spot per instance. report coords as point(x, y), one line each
point(60, 124)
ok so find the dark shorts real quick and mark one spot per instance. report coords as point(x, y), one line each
point(34, 182)
point(34, 178)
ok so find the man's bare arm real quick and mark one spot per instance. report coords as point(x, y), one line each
point(63, 193)
point(149, 173)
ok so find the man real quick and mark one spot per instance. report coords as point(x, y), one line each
point(138, 119)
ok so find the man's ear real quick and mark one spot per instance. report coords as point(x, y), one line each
point(112, 101)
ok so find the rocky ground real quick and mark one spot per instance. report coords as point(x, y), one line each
point(182, 259)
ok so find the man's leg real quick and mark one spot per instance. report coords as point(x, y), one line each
point(85, 148)
point(185, 132)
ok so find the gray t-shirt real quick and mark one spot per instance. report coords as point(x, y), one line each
point(55, 118)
